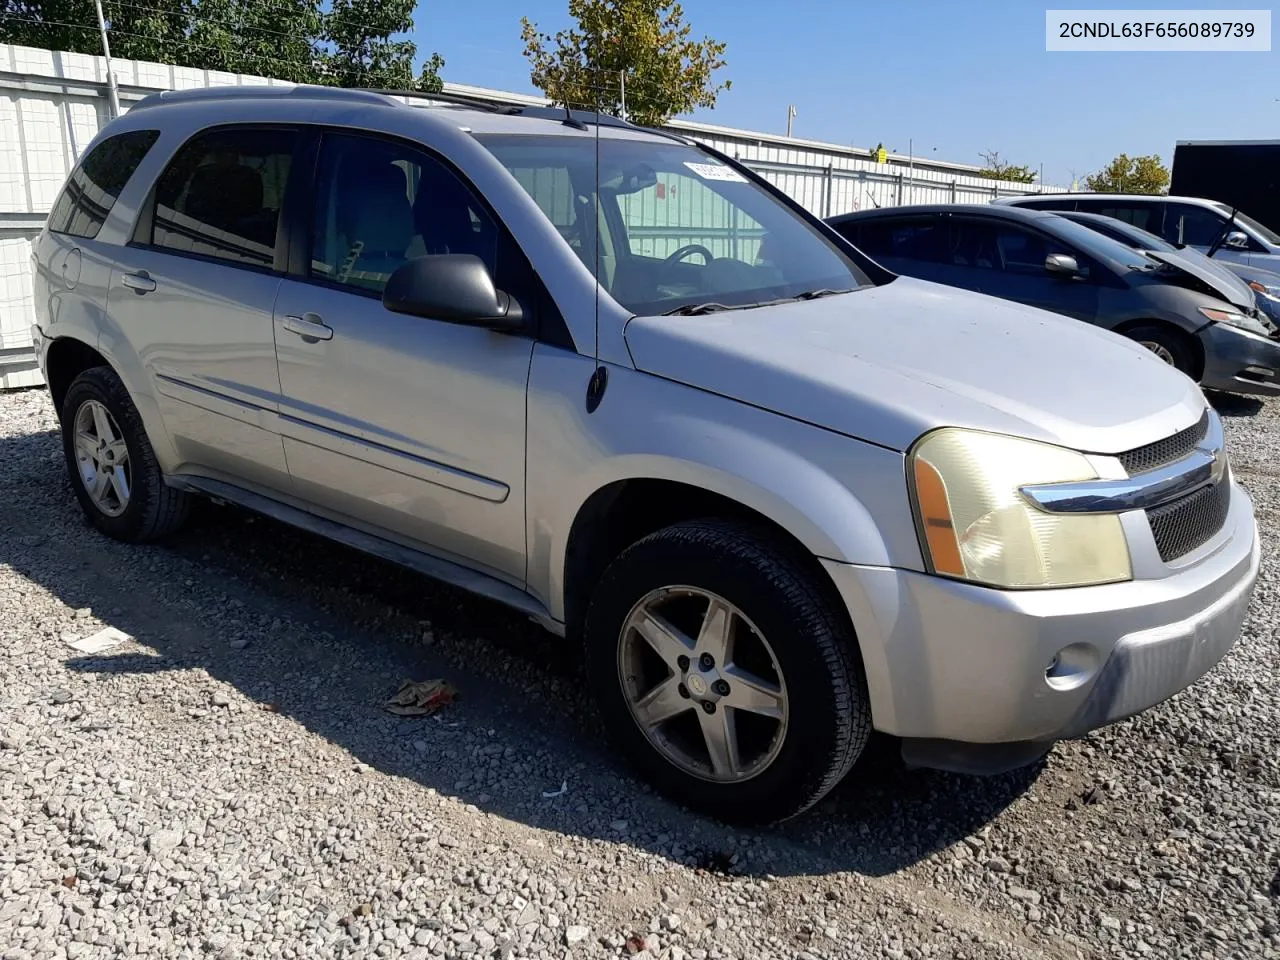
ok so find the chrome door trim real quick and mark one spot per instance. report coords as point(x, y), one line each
point(1205, 465)
point(232, 406)
point(390, 458)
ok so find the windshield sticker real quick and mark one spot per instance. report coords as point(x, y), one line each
point(715, 171)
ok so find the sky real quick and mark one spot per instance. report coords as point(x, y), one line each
point(953, 78)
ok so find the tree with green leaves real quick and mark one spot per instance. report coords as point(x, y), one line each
point(363, 53)
point(666, 72)
point(355, 43)
point(994, 168)
point(1127, 174)
point(142, 33)
point(273, 38)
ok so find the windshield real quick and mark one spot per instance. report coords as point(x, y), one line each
point(1098, 246)
point(676, 227)
point(1263, 231)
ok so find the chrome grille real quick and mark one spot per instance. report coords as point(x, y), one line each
point(1168, 450)
point(1186, 523)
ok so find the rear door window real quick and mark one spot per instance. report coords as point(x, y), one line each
point(95, 184)
point(221, 195)
point(921, 239)
point(1144, 215)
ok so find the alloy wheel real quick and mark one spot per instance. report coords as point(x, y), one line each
point(102, 457)
point(1160, 350)
point(703, 684)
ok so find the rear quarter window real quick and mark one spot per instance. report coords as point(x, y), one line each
point(95, 184)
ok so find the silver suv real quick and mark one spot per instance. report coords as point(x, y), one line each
point(779, 496)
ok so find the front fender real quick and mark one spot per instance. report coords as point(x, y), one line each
point(843, 499)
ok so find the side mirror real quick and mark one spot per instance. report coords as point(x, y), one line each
point(1061, 265)
point(1237, 240)
point(453, 287)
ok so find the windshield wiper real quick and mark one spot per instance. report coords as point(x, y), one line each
point(818, 294)
point(697, 309)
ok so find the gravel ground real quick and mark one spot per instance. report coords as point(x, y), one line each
point(227, 784)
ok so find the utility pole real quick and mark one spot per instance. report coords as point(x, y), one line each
point(623, 76)
point(791, 115)
point(911, 167)
point(113, 95)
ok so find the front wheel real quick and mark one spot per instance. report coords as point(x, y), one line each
point(1168, 344)
point(724, 673)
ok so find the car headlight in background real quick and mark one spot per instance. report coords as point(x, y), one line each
point(1267, 291)
point(977, 526)
point(1268, 300)
point(1233, 318)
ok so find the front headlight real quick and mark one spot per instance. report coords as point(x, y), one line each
point(1263, 290)
point(976, 525)
point(1233, 318)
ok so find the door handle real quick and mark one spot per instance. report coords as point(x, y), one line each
point(309, 327)
point(138, 282)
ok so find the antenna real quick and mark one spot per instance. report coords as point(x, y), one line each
point(599, 375)
point(570, 121)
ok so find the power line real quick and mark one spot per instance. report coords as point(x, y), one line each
point(313, 67)
point(194, 20)
point(194, 17)
point(572, 89)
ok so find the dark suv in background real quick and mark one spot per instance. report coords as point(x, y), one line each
point(1047, 261)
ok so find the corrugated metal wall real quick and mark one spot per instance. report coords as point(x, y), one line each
point(52, 104)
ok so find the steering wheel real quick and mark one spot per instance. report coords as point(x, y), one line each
point(687, 249)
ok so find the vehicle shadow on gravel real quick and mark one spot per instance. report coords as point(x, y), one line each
point(321, 634)
point(1234, 404)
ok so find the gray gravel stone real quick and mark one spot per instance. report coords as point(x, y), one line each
point(229, 785)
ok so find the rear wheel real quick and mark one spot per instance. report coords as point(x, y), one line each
point(1168, 344)
point(723, 672)
point(112, 466)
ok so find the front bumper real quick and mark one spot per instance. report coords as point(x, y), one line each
point(1239, 361)
point(951, 664)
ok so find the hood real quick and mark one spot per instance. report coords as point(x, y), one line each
point(886, 364)
point(1225, 284)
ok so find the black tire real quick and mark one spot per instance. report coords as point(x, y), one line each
point(830, 719)
point(153, 509)
point(1181, 352)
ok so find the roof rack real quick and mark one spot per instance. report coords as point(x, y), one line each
point(459, 99)
point(261, 92)
point(383, 98)
point(600, 119)
point(547, 112)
